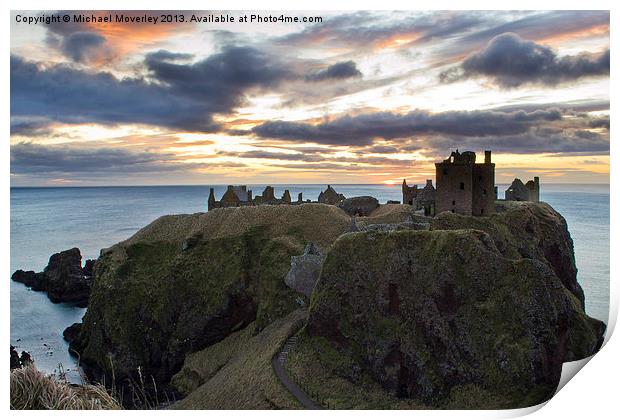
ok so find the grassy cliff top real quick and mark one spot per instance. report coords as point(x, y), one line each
point(319, 223)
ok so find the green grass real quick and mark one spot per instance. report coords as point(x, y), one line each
point(236, 373)
point(315, 364)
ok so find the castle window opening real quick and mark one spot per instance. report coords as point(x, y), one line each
point(484, 192)
point(462, 186)
point(453, 202)
point(445, 172)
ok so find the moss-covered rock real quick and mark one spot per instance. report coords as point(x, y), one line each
point(523, 229)
point(186, 282)
point(435, 315)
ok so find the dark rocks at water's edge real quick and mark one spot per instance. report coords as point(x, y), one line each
point(63, 279)
point(19, 360)
point(72, 332)
point(31, 279)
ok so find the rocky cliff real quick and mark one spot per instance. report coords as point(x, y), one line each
point(186, 282)
point(441, 315)
point(523, 229)
point(466, 306)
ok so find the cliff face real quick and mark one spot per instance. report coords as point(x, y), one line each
point(186, 282)
point(472, 307)
point(438, 315)
point(525, 230)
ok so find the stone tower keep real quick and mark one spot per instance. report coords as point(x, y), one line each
point(464, 186)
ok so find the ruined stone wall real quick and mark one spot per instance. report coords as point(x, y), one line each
point(409, 193)
point(454, 187)
point(483, 189)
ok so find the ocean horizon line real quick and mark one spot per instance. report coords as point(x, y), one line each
point(261, 184)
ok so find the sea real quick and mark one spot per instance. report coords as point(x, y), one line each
point(48, 220)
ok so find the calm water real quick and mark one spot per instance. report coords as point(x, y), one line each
point(48, 220)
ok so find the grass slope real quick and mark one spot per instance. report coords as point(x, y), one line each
point(236, 373)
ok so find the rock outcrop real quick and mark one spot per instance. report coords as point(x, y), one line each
point(305, 270)
point(359, 206)
point(464, 308)
point(186, 282)
point(31, 279)
point(432, 315)
point(525, 230)
point(19, 360)
point(72, 332)
point(63, 278)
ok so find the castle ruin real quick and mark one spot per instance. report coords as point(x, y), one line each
point(530, 191)
point(464, 186)
point(235, 196)
point(330, 196)
point(240, 196)
point(420, 198)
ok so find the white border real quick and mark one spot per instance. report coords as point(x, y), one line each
point(592, 395)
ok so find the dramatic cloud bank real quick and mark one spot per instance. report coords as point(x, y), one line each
point(535, 131)
point(368, 96)
point(510, 62)
point(183, 96)
point(364, 128)
point(28, 158)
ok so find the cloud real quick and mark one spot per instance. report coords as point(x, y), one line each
point(538, 26)
point(510, 62)
point(96, 43)
point(575, 142)
point(37, 127)
point(164, 55)
point(81, 46)
point(338, 71)
point(376, 30)
point(182, 96)
point(30, 158)
point(362, 129)
point(220, 79)
point(381, 149)
point(259, 154)
point(602, 122)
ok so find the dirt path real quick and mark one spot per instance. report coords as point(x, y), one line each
point(279, 363)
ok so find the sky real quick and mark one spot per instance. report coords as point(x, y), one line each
point(350, 98)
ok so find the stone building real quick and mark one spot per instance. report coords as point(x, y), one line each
point(330, 196)
point(420, 198)
point(235, 196)
point(268, 197)
point(530, 191)
point(240, 196)
point(464, 186)
point(409, 193)
point(426, 199)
